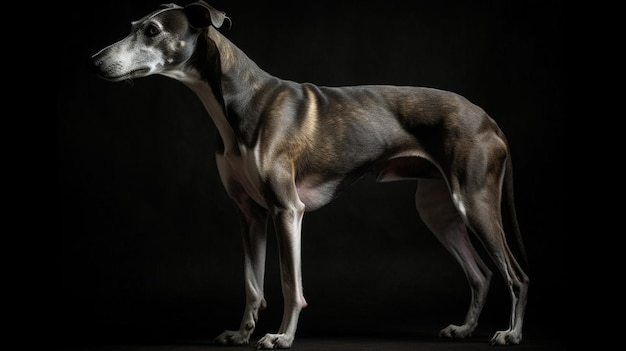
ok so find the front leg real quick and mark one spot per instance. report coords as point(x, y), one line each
point(288, 223)
point(253, 219)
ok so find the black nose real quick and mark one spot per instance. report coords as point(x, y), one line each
point(94, 64)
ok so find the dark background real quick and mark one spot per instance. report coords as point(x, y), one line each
point(150, 241)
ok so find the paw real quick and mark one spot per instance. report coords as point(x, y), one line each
point(456, 331)
point(506, 337)
point(230, 337)
point(274, 341)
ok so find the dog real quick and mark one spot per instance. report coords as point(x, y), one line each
point(286, 148)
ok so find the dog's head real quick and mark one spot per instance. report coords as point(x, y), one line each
point(162, 42)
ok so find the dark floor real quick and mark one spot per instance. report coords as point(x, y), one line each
point(344, 344)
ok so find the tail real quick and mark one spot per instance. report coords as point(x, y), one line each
point(510, 203)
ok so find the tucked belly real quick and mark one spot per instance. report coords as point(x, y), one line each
point(406, 168)
point(315, 192)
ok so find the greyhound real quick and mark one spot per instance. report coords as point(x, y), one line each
point(286, 148)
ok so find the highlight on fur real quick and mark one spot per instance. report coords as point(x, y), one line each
point(286, 148)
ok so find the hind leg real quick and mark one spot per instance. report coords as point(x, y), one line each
point(479, 200)
point(441, 216)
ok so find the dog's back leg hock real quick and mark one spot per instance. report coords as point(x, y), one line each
point(253, 220)
point(438, 212)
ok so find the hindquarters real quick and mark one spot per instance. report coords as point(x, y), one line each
point(472, 159)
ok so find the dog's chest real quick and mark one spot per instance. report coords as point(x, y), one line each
point(240, 174)
point(243, 175)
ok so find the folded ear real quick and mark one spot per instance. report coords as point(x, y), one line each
point(201, 15)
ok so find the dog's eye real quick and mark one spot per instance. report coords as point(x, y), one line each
point(152, 30)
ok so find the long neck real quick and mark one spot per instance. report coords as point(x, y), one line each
point(240, 76)
point(225, 80)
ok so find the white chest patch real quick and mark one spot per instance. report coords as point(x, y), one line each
point(239, 167)
point(241, 172)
